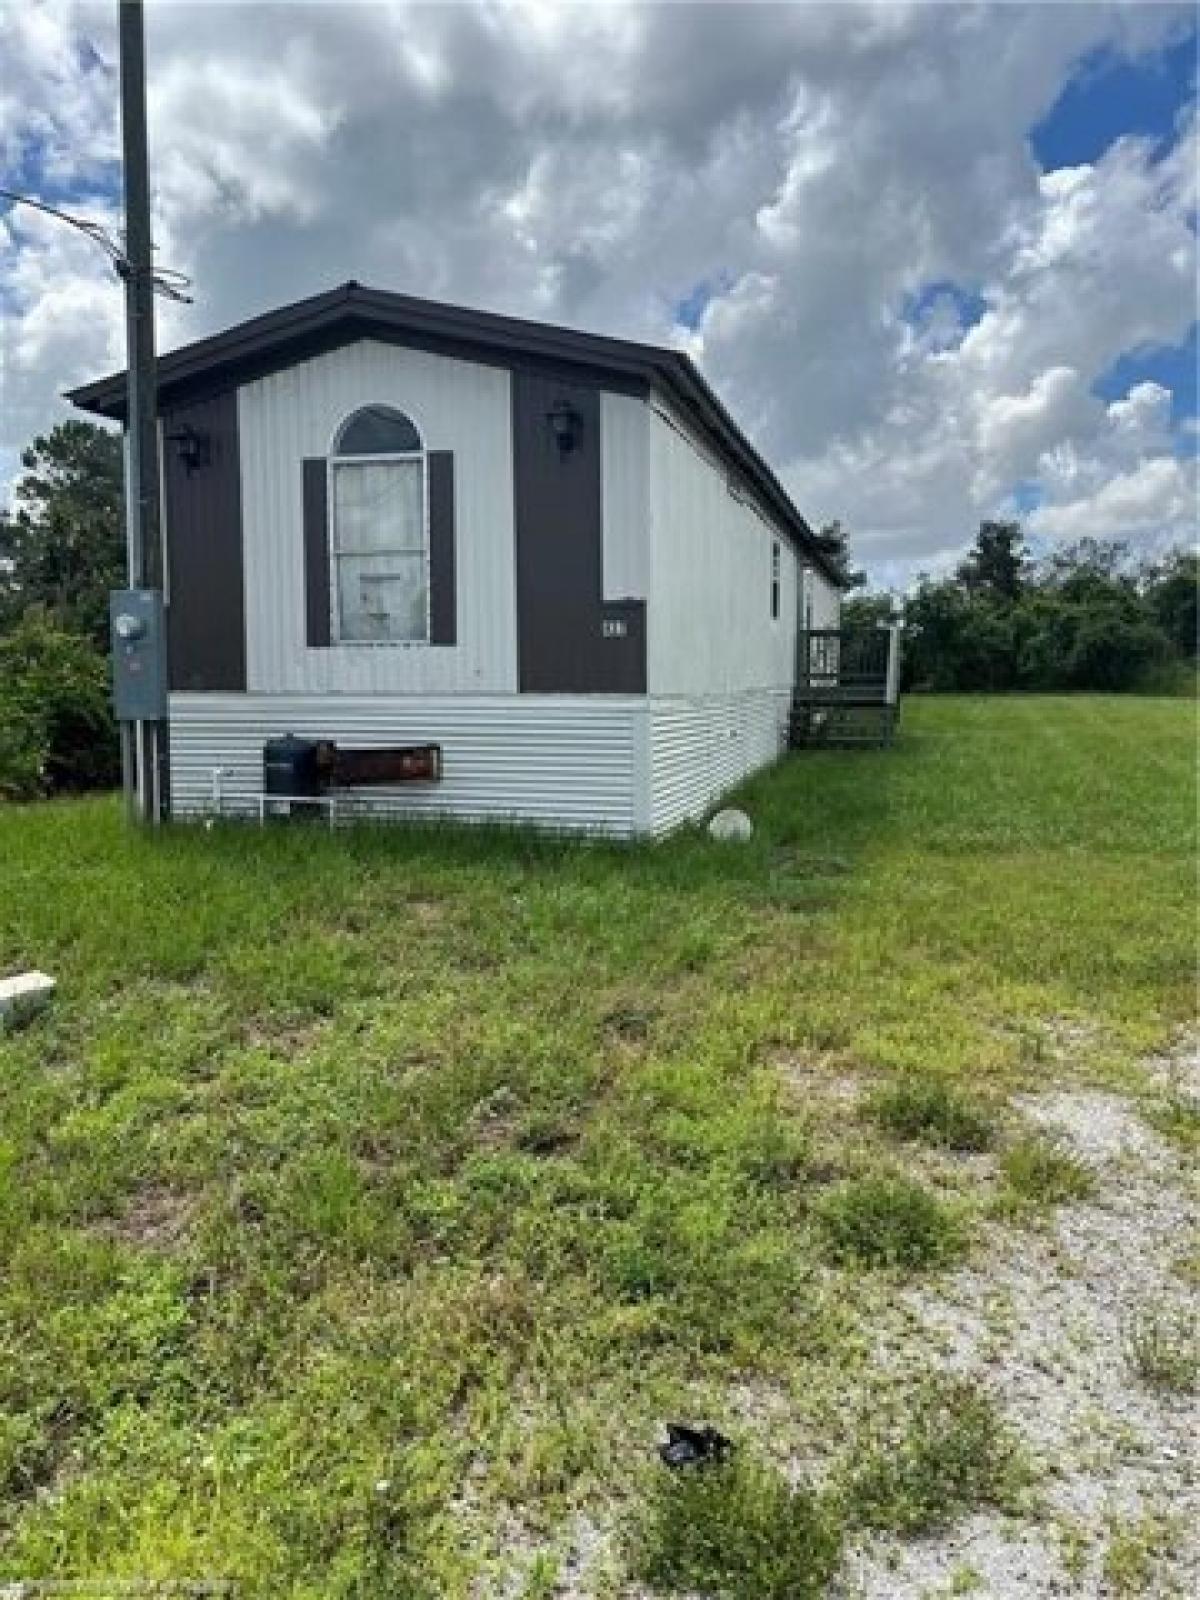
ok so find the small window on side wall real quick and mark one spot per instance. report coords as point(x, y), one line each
point(775, 563)
point(379, 530)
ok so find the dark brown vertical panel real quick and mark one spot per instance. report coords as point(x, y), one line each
point(443, 605)
point(568, 640)
point(206, 613)
point(316, 552)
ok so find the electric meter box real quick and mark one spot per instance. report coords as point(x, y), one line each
point(139, 654)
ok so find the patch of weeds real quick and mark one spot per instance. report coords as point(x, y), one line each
point(951, 1453)
point(1163, 1348)
point(965, 1580)
point(933, 1111)
point(711, 1255)
point(630, 1023)
point(799, 891)
point(543, 1132)
point(542, 1579)
point(1136, 1548)
point(155, 1218)
point(1186, 1266)
point(737, 1530)
point(1177, 1117)
point(1074, 1549)
point(886, 1222)
point(1040, 1170)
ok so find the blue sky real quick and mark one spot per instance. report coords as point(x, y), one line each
point(1107, 98)
point(1111, 97)
point(1171, 365)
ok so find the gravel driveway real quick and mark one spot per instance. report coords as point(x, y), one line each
point(1046, 1317)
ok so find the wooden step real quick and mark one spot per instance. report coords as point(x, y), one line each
point(841, 725)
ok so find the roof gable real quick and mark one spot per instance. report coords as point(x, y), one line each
point(323, 322)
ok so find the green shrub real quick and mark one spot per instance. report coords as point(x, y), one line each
point(934, 1111)
point(737, 1530)
point(886, 1222)
point(1114, 652)
point(953, 1453)
point(1040, 1171)
point(56, 726)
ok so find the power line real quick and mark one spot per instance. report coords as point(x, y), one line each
point(167, 282)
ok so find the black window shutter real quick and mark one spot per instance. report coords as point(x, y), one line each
point(443, 604)
point(316, 552)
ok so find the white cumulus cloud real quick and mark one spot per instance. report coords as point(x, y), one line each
point(801, 176)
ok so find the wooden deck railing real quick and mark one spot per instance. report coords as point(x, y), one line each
point(848, 664)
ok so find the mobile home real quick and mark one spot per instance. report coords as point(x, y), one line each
point(550, 557)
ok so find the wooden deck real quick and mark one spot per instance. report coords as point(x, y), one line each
point(847, 687)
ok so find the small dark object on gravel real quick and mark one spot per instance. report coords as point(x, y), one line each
point(689, 1447)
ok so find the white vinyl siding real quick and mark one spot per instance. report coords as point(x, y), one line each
point(295, 414)
point(625, 491)
point(709, 624)
point(826, 602)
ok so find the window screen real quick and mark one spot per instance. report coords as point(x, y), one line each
point(377, 499)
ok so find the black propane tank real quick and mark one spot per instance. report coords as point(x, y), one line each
point(292, 766)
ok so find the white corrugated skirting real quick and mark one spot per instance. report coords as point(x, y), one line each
point(556, 761)
point(702, 748)
point(617, 765)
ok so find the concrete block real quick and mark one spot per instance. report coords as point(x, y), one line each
point(22, 996)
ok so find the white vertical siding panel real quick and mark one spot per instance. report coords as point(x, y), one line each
point(561, 761)
point(624, 440)
point(720, 668)
point(826, 602)
point(710, 626)
point(289, 415)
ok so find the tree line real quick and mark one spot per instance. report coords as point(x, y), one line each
point(1088, 616)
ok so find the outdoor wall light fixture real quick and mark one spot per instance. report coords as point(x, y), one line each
point(566, 424)
point(192, 448)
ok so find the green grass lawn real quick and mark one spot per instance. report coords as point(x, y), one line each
point(367, 1199)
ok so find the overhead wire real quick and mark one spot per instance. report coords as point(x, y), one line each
point(169, 283)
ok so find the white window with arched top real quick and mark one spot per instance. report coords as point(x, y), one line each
point(379, 530)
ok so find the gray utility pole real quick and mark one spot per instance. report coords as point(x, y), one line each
point(143, 743)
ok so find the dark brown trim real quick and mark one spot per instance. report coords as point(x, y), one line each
point(443, 602)
point(569, 641)
point(335, 334)
point(206, 620)
point(359, 312)
point(625, 663)
point(316, 552)
point(307, 328)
